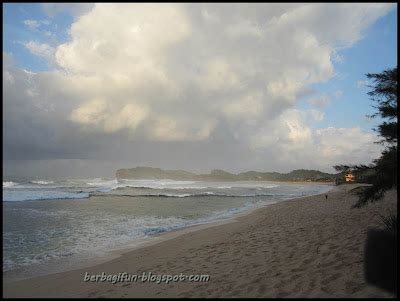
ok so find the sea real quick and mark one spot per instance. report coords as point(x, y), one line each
point(54, 225)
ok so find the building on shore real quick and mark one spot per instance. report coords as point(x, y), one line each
point(349, 176)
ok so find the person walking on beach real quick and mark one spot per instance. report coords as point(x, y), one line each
point(326, 196)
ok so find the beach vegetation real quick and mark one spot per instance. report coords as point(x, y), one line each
point(382, 172)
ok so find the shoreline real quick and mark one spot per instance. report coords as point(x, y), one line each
point(74, 286)
point(220, 180)
point(153, 240)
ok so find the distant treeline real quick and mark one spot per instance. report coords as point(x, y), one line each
point(221, 175)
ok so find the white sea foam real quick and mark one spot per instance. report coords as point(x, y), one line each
point(153, 184)
point(26, 195)
point(82, 188)
point(42, 182)
point(102, 182)
point(172, 184)
point(99, 233)
point(8, 184)
point(200, 194)
point(110, 227)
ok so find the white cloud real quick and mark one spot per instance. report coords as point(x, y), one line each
point(285, 89)
point(335, 24)
point(8, 77)
point(98, 112)
point(41, 49)
point(346, 145)
point(123, 38)
point(319, 101)
point(130, 116)
point(338, 93)
point(218, 75)
point(35, 24)
point(338, 58)
point(167, 129)
point(362, 83)
point(183, 72)
point(90, 113)
point(32, 24)
point(74, 9)
point(121, 50)
point(49, 34)
point(209, 17)
point(315, 115)
point(244, 28)
point(246, 108)
point(295, 142)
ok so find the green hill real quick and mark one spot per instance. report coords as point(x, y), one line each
point(221, 175)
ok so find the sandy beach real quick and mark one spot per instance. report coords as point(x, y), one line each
point(306, 247)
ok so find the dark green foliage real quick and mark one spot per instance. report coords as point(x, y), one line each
point(383, 178)
point(221, 175)
point(363, 173)
point(382, 174)
point(342, 168)
point(381, 246)
point(384, 93)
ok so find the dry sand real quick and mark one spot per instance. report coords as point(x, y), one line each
point(308, 247)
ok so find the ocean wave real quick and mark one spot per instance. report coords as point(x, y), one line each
point(8, 184)
point(102, 182)
point(125, 185)
point(186, 195)
point(42, 182)
point(19, 196)
point(178, 185)
point(158, 182)
point(142, 184)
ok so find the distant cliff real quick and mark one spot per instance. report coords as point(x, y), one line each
point(154, 173)
point(221, 175)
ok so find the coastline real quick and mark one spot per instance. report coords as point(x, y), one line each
point(205, 244)
point(110, 254)
point(9, 277)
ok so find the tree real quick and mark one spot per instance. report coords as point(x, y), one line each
point(380, 256)
point(385, 94)
point(382, 173)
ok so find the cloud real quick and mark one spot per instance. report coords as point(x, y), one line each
point(320, 101)
point(32, 24)
point(338, 58)
point(296, 143)
point(217, 76)
point(121, 49)
point(49, 34)
point(338, 93)
point(315, 115)
point(35, 24)
point(209, 17)
point(193, 81)
point(8, 78)
point(97, 111)
point(41, 49)
point(244, 28)
point(362, 83)
point(351, 145)
point(74, 9)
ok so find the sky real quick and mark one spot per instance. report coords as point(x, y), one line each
point(90, 88)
